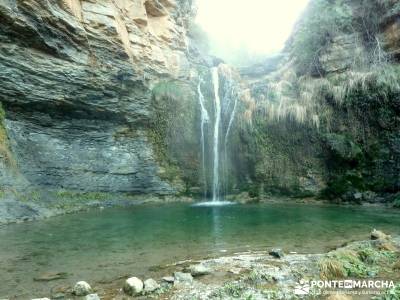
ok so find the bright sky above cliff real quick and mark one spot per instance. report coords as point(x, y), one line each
point(261, 26)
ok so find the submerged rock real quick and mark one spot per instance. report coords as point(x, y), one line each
point(183, 277)
point(92, 297)
point(41, 299)
point(150, 285)
point(49, 276)
point(133, 286)
point(82, 288)
point(199, 270)
point(277, 253)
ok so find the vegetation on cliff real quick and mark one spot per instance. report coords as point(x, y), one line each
point(5, 151)
point(334, 101)
point(173, 133)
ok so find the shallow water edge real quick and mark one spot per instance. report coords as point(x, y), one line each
point(102, 245)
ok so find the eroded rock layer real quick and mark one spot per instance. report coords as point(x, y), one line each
point(76, 79)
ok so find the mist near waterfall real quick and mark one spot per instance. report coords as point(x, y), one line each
point(249, 29)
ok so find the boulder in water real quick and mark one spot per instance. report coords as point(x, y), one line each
point(92, 297)
point(150, 285)
point(82, 288)
point(133, 286)
point(199, 270)
point(277, 253)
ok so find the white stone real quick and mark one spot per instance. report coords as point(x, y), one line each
point(150, 285)
point(169, 279)
point(82, 288)
point(92, 297)
point(133, 286)
point(37, 299)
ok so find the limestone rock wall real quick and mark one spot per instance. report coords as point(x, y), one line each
point(75, 82)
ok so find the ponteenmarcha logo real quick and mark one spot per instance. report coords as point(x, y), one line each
point(302, 288)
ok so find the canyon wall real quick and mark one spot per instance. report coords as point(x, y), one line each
point(325, 120)
point(102, 96)
point(76, 81)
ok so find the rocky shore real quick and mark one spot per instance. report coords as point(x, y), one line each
point(269, 274)
point(14, 210)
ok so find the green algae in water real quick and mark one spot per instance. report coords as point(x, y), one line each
point(103, 245)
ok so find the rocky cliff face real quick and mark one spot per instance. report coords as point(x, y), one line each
point(326, 120)
point(76, 79)
point(102, 96)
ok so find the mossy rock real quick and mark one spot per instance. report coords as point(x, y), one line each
point(343, 147)
point(173, 133)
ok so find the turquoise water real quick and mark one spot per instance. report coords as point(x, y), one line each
point(101, 245)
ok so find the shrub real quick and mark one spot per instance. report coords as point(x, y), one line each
point(342, 264)
point(331, 268)
point(390, 294)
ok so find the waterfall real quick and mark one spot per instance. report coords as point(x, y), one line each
point(204, 120)
point(232, 117)
point(228, 130)
point(230, 98)
point(223, 119)
point(217, 107)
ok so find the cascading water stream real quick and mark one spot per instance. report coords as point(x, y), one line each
point(231, 94)
point(224, 115)
point(204, 120)
point(217, 107)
